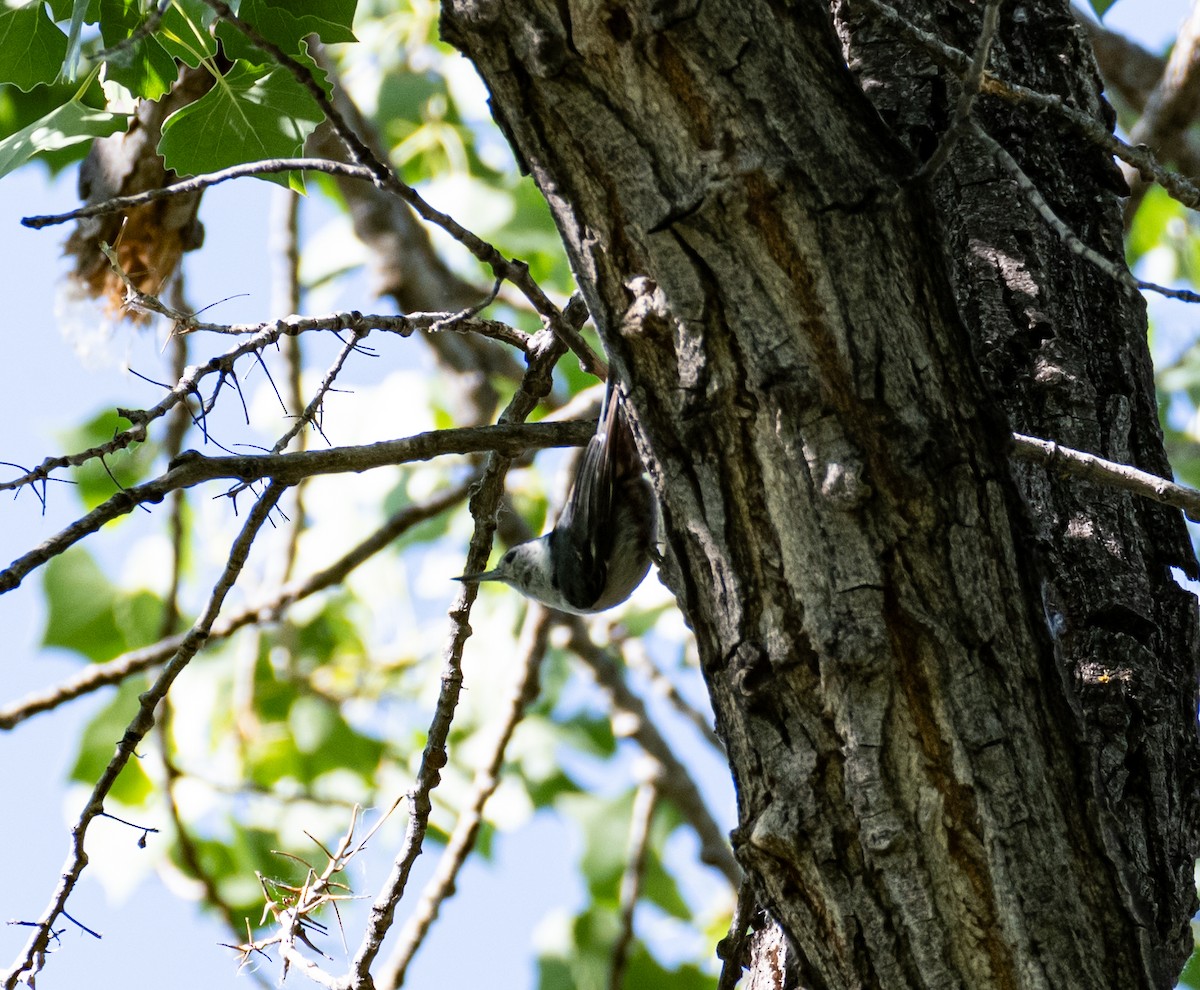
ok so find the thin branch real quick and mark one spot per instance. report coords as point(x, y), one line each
point(177, 425)
point(638, 659)
point(1142, 159)
point(270, 166)
point(1065, 459)
point(1102, 472)
point(733, 949)
point(1114, 270)
point(644, 802)
point(1172, 106)
point(96, 676)
point(972, 80)
point(309, 415)
point(30, 963)
point(404, 326)
point(191, 469)
point(188, 852)
point(285, 282)
point(261, 335)
point(293, 907)
point(442, 884)
point(146, 28)
point(676, 783)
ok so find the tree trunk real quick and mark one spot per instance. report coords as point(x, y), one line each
point(959, 709)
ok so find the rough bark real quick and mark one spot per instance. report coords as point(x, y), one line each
point(959, 712)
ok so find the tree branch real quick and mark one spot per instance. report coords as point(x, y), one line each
point(442, 884)
point(642, 816)
point(1108, 473)
point(514, 271)
point(269, 166)
point(30, 963)
point(261, 335)
point(1114, 270)
point(1140, 158)
point(191, 468)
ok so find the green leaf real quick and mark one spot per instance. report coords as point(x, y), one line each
point(32, 48)
point(605, 825)
point(326, 742)
point(69, 124)
point(1101, 7)
point(580, 958)
point(248, 116)
point(287, 28)
point(232, 864)
point(143, 67)
point(88, 614)
point(184, 33)
point(645, 971)
point(1189, 979)
point(288, 24)
point(80, 600)
point(1151, 223)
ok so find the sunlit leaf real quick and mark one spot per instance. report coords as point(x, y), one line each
point(69, 124)
point(183, 31)
point(142, 66)
point(32, 48)
point(250, 115)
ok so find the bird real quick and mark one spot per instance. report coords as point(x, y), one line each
point(600, 549)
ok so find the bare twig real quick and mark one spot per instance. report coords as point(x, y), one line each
point(33, 958)
point(971, 82)
point(188, 853)
point(177, 425)
point(1064, 459)
point(441, 885)
point(638, 659)
point(261, 335)
point(293, 907)
point(645, 800)
point(269, 166)
point(309, 415)
point(285, 283)
point(1114, 270)
point(1102, 472)
point(96, 676)
point(1142, 159)
point(1172, 106)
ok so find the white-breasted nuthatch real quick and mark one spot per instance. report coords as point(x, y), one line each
point(599, 550)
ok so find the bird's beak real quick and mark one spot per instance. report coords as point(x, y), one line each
point(481, 576)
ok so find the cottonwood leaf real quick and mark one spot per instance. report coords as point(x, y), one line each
point(32, 48)
point(250, 115)
point(69, 124)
